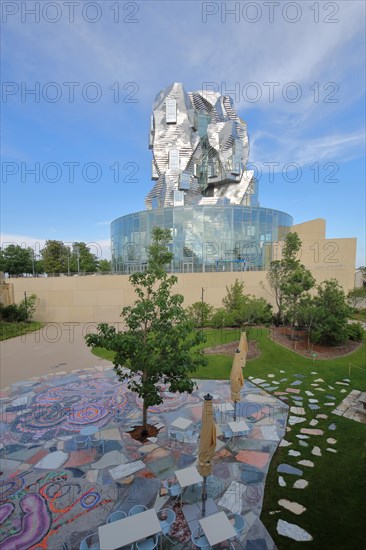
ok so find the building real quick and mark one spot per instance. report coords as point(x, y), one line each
point(202, 192)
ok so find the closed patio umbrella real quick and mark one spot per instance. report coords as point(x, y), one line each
point(207, 446)
point(236, 379)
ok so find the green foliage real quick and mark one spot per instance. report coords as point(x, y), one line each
point(22, 312)
point(355, 332)
point(332, 312)
point(82, 259)
point(16, 260)
point(289, 280)
point(257, 311)
point(55, 257)
point(159, 345)
point(200, 313)
point(222, 318)
point(235, 297)
point(241, 309)
point(356, 297)
point(105, 266)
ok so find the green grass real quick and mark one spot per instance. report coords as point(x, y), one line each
point(335, 496)
point(11, 330)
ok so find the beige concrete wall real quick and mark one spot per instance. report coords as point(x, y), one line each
point(97, 298)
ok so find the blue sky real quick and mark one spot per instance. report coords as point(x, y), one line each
point(296, 72)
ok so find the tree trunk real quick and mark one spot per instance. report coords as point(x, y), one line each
point(144, 415)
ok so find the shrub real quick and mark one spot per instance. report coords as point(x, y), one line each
point(355, 332)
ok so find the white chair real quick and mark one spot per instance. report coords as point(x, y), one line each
point(148, 544)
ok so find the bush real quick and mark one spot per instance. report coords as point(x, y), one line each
point(355, 332)
point(17, 313)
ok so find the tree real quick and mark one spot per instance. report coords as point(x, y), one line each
point(56, 257)
point(288, 279)
point(105, 266)
point(15, 260)
point(356, 297)
point(256, 311)
point(306, 314)
point(81, 259)
point(201, 313)
point(221, 318)
point(332, 312)
point(159, 345)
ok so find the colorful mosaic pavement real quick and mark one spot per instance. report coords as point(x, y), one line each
point(53, 493)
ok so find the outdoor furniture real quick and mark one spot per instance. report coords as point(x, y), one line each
point(199, 539)
point(217, 528)
point(137, 509)
point(239, 428)
point(91, 542)
point(181, 423)
point(81, 442)
point(147, 544)
point(89, 430)
point(224, 408)
point(97, 443)
point(114, 516)
point(124, 532)
point(175, 490)
point(186, 477)
point(166, 517)
point(239, 523)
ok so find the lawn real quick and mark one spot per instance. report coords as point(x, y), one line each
point(335, 497)
point(10, 330)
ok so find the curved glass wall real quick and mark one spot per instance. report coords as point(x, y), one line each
point(204, 238)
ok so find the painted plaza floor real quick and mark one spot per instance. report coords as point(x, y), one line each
point(51, 493)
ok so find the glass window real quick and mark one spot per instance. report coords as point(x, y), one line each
point(174, 159)
point(171, 111)
point(178, 198)
point(185, 181)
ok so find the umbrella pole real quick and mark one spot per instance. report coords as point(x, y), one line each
point(204, 496)
point(234, 411)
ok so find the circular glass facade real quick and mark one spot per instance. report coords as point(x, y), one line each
point(204, 238)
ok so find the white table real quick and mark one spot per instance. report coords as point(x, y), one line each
point(236, 427)
point(181, 423)
point(128, 530)
point(217, 528)
point(186, 477)
point(224, 408)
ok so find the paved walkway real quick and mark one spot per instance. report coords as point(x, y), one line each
point(56, 347)
point(66, 493)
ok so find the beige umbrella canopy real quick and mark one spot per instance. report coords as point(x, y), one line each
point(207, 445)
point(243, 343)
point(236, 377)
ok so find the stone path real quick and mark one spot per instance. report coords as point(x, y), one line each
point(308, 410)
point(68, 492)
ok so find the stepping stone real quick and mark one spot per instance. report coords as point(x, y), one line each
point(331, 397)
point(294, 507)
point(316, 451)
point(331, 404)
point(314, 407)
point(270, 375)
point(314, 385)
point(314, 422)
point(52, 461)
point(301, 484)
point(332, 427)
point(113, 458)
point(320, 389)
point(309, 393)
point(319, 380)
point(331, 441)
point(313, 372)
point(331, 450)
point(295, 420)
point(299, 411)
point(311, 431)
point(303, 444)
point(342, 384)
point(266, 385)
point(296, 383)
point(292, 390)
point(285, 443)
point(292, 452)
point(313, 401)
point(297, 397)
point(292, 531)
point(343, 391)
point(282, 371)
point(308, 463)
point(300, 436)
point(346, 380)
point(331, 388)
point(258, 381)
point(283, 379)
point(325, 416)
point(280, 393)
point(281, 481)
point(288, 469)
